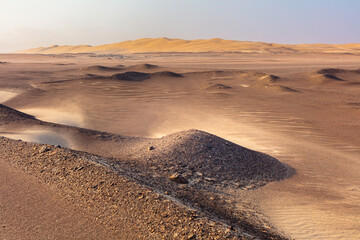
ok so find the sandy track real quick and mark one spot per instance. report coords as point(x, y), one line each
point(32, 210)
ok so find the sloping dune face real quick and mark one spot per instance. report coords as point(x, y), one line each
point(199, 45)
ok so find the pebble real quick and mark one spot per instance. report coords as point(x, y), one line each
point(178, 178)
point(44, 149)
point(191, 236)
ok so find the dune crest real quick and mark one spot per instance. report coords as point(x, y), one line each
point(147, 45)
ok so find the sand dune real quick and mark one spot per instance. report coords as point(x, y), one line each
point(131, 76)
point(328, 75)
point(167, 74)
point(200, 45)
point(100, 68)
point(217, 86)
point(143, 66)
point(276, 88)
point(322, 78)
point(262, 77)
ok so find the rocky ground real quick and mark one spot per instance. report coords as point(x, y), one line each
point(120, 203)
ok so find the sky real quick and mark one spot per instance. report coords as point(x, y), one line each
point(33, 23)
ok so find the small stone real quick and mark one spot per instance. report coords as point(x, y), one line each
point(178, 178)
point(209, 179)
point(151, 148)
point(191, 236)
point(44, 149)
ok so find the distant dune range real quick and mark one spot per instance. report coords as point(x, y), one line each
point(151, 45)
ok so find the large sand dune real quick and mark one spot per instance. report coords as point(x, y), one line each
point(200, 45)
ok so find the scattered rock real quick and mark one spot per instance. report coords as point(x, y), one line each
point(151, 148)
point(44, 149)
point(178, 178)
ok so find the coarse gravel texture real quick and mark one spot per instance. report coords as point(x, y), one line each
point(125, 207)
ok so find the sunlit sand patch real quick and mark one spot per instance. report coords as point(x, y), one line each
point(303, 220)
point(6, 95)
point(157, 135)
point(38, 136)
point(56, 116)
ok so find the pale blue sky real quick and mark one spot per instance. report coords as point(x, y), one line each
point(32, 23)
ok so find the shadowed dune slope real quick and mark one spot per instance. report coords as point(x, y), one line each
point(328, 75)
point(131, 76)
point(199, 45)
point(140, 76)
point(167, 74)
point(143, 66)
point(279, 88)
point(337, 71)
point(100, 68)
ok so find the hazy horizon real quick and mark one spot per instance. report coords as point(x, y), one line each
point(44, 23)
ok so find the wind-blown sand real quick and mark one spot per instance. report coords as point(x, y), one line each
point(6, 95)
point(279, 105)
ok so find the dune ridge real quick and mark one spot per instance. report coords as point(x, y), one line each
point(151, 45)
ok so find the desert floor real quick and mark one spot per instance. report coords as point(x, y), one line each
point(302, 109)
